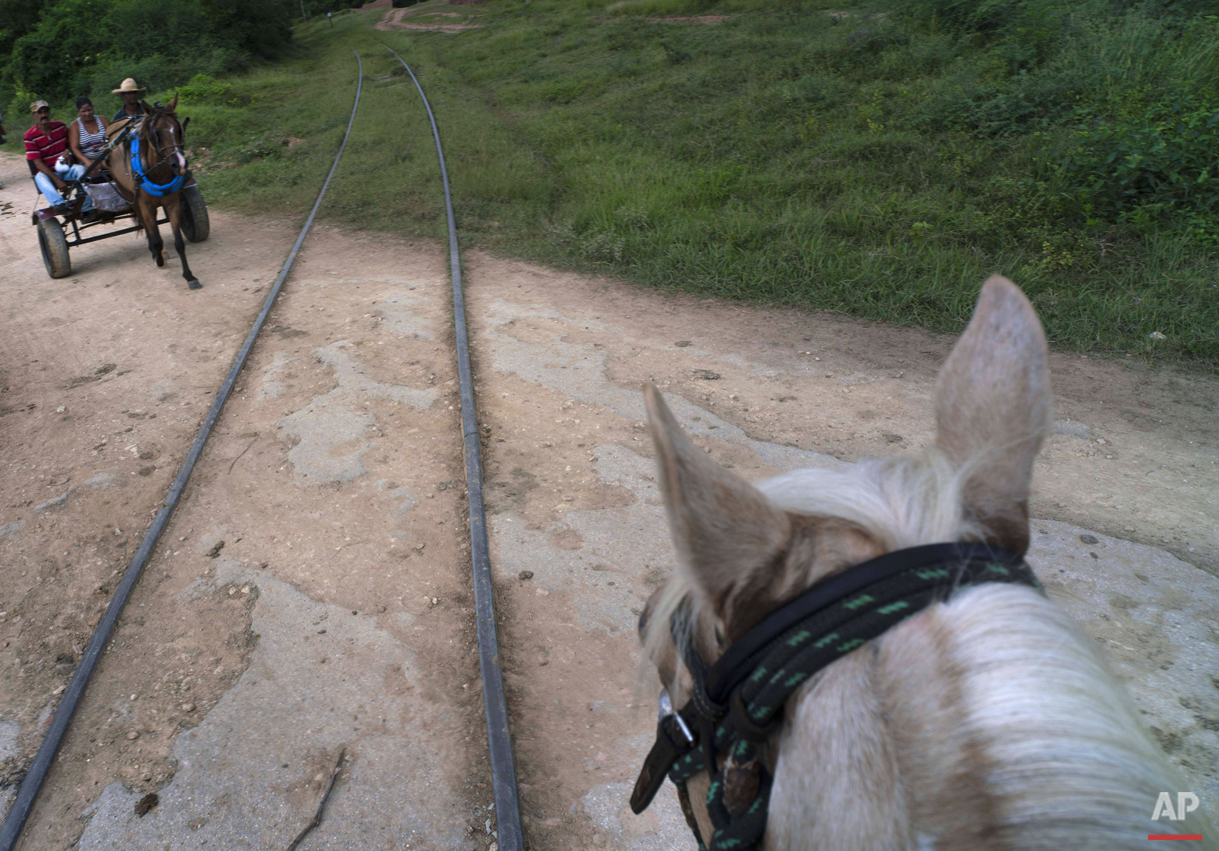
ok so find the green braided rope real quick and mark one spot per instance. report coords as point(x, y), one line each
point(893, 600)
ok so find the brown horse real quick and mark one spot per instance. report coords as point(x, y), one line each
point(987, 720)
point(149, 168)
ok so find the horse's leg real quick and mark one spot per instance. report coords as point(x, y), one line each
point(148, 212)
point(173, 207)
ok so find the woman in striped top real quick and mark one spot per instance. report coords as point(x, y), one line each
point(87, 134)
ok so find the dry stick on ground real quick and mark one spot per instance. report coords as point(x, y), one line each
point(350, 544)
point(243, 452)
point(321, 805)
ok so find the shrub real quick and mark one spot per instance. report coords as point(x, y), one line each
point(1161, 161)
point(1022, 104)
point(203, 88)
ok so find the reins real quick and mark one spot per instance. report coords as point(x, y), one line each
point(100, 159)
point(737, 703)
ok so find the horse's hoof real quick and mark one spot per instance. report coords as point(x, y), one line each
point(160, 261)
point(194, 285)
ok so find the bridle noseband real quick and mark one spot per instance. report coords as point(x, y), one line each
point(736, 704)
point(137, 168)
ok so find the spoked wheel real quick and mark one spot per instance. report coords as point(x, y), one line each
point(54, 247)
point(195, 224)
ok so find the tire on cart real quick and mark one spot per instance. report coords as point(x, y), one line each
point(54, 247)
point(194, 222)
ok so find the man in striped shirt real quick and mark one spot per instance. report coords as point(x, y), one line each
point(44, 143)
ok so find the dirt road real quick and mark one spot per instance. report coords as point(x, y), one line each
point(311, 593)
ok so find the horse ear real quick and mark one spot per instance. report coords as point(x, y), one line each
point(185, 122)
point(993, 408)
point(173, 104)
point(147, 108)
point(724, 528)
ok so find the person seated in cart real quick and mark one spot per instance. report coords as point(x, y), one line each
point(45, 144)
point(87, 134)
point(132, 106)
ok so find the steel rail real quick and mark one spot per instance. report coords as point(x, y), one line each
point(495, 705)
point(10, 831)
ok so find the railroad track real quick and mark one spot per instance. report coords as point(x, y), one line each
point(507, 818)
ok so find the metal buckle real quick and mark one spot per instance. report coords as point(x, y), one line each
point(665, 710)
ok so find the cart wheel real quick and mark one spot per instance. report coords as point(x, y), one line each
point(195, 225)
point(54, 248)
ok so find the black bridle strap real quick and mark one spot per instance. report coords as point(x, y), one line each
point(739, 661)
point(795, 641)
point(147, 131)
point(670, 746)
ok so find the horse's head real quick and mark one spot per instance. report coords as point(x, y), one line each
point(745, 550)
point(895, 703)
point(165, 137)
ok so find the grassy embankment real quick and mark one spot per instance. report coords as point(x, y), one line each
point(820, 154)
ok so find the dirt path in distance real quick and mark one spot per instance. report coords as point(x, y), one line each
point(393, 20)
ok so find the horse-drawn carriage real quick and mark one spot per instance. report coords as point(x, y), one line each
point(147, 174)
point(56, 235)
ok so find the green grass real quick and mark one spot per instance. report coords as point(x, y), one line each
point(862, 164)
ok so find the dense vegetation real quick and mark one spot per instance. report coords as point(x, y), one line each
point(874, 157)
point(60, 49)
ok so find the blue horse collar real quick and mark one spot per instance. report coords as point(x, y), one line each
point(156, 189)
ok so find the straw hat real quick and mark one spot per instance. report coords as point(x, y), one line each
point(127, 86)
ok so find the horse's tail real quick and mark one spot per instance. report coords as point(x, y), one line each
point(141, 227)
